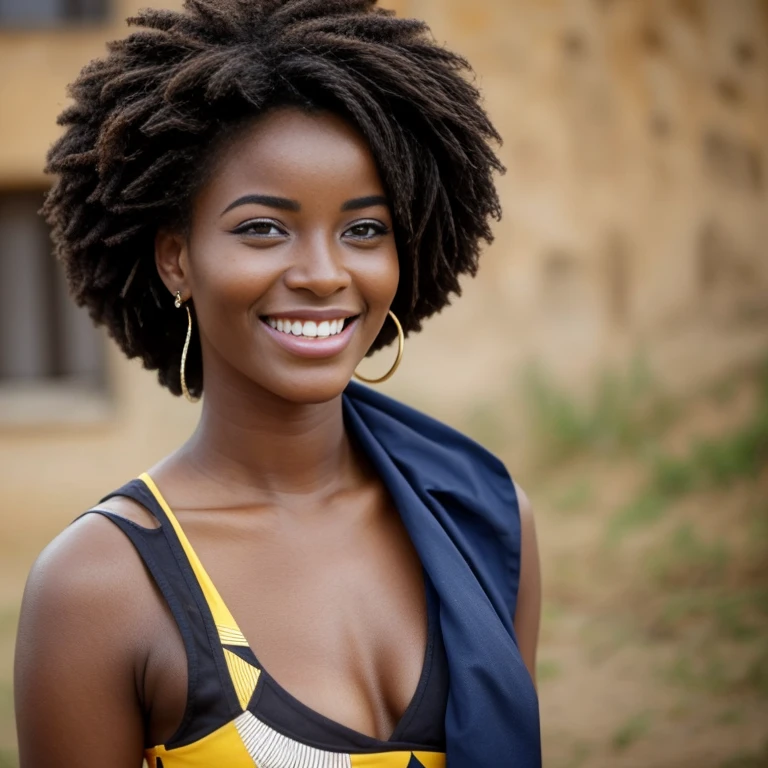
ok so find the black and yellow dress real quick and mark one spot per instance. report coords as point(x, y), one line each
point(475, 704)
point(237, 715)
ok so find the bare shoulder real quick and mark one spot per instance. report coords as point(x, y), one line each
point(130, 510)
point(83, 642)
point(89, 575)
point(90, 551)
point(525, 507)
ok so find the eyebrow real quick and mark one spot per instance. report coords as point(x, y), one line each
point(365, 202)
point(285, 204)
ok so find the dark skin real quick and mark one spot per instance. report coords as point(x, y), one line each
point(295, 529)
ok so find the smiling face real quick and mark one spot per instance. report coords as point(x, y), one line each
point(290, 259)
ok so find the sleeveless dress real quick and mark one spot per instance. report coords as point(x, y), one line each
point(237, 715)
point(475, 704)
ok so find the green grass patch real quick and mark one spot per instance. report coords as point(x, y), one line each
point(686, 560)
point(623, 412)
point(732, 622)
point(756, 760)
point(724, 390)
point(738, 616)
point(708, 671)
point(602, 637)
point(757, 674)
point(647, 508)
point(732, 716)
point(633, 730)
point(582, 751)
point(551, 612)
point(576, 497)
point(714, 463)
point(718, 463)
point(548, 669)
point(671, 477)
point(709, 464)
point(757, 527)
point(699, 675)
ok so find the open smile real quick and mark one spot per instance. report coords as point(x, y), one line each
point(311, 338)
point(309, 329)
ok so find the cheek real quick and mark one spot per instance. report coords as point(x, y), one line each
point(226, 273)
point(378, 277)
point(227, 279)
point(394, 273)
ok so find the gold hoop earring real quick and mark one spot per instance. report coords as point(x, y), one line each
point(400, 347)
point(179, 303)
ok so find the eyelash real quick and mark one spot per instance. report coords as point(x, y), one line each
point(247, 227)
point(379, 229)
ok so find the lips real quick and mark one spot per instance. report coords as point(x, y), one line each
point(309, 329)
point(312, 338)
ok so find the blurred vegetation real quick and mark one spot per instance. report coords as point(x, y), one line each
point(635, 728)
point(657, 514)
point(759, 760)
point(623, 412)
point(710, 464)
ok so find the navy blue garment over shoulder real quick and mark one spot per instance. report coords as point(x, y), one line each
point(460, 508)
point(475, 704)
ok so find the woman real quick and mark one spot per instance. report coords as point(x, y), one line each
point(252, 195)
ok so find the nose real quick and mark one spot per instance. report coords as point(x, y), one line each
point(318, 267)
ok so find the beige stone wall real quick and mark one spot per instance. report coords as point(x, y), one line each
point(52, 465)
point(636, 198)
point(636, 216)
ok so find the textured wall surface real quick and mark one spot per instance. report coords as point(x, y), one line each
point(636, 211)
point(636, 199)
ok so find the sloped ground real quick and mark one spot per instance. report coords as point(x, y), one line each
point(654, 645)
point(653, 527)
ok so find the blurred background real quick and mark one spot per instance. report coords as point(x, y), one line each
point(613, 350)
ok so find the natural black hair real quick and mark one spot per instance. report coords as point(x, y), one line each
point(146, 120)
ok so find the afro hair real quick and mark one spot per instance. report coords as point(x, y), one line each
point(146, 120)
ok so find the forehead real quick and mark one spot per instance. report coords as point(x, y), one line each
point(297, 154)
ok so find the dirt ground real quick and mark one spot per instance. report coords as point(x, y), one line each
point(653, 527)
point(654, 648)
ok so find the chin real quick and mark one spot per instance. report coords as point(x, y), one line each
point(312, 388)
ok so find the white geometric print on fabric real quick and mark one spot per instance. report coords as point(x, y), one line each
point(230, 636)
point(244, 677)
point(270, 749)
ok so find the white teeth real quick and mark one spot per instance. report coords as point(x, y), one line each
point(309, 329)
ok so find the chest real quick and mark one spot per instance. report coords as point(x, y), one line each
point(332, 605)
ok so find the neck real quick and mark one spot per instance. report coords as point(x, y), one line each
point(258, 441)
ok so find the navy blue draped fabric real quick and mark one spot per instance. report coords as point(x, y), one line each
point(460, 508)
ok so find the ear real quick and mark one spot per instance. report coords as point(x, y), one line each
point(172, 261)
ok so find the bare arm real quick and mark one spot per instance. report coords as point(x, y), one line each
point(528, 614)
point(76, 685)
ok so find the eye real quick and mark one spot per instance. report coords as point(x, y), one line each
point(367, 230)
point(259, 228)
